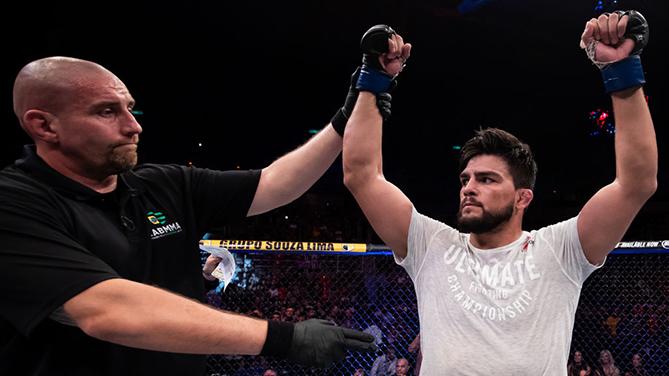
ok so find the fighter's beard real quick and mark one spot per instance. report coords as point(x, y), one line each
point(487, 222)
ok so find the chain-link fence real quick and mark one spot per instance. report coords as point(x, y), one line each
point(623, 308)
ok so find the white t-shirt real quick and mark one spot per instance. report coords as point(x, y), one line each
point(503, 311)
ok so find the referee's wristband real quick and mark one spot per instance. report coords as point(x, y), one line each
point(339, 121)
point(279, 339)
point(623, 74)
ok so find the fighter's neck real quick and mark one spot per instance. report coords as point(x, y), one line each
point(502, 235)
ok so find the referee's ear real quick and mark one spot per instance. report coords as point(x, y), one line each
point(40, 125)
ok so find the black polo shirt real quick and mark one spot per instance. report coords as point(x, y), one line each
point(58, 238)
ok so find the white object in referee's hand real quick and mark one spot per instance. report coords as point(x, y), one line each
point(226, 269)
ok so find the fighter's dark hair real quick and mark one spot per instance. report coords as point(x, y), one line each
point(494, 141)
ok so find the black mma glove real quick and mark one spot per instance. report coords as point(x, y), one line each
point(370, 77)
point(637, 30)
point(373, 44)
point(314, 342)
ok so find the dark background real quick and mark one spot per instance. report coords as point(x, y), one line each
point(249, 80)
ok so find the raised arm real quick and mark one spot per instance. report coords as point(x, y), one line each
point(385, 206)
point(137, 315)
point(290, 176)
point(613, 42)
point(293, 174)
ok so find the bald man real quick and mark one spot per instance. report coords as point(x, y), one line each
point(402, 367)
point(99, 261)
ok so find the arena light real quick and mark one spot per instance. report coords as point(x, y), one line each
point(601, 122)
point(604, 5)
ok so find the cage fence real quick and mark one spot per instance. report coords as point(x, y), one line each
point(623, 308)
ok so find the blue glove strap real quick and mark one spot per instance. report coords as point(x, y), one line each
point(373, 80)
point(623, 74)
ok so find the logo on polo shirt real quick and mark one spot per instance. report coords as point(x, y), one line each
point(161, 225)
point(156, 218)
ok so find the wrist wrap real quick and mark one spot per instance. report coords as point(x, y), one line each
point(623, 74)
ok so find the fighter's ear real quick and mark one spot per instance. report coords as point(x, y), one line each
point(523, 198)
point(39, 125)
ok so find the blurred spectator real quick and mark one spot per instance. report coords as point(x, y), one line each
point(637, 368)
point(359, 372)
point(385, 365)
point(402, 367)
point(270, 372)
point(311, 313)
point(289, 314)
point(607, 365)
point(578, 366)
